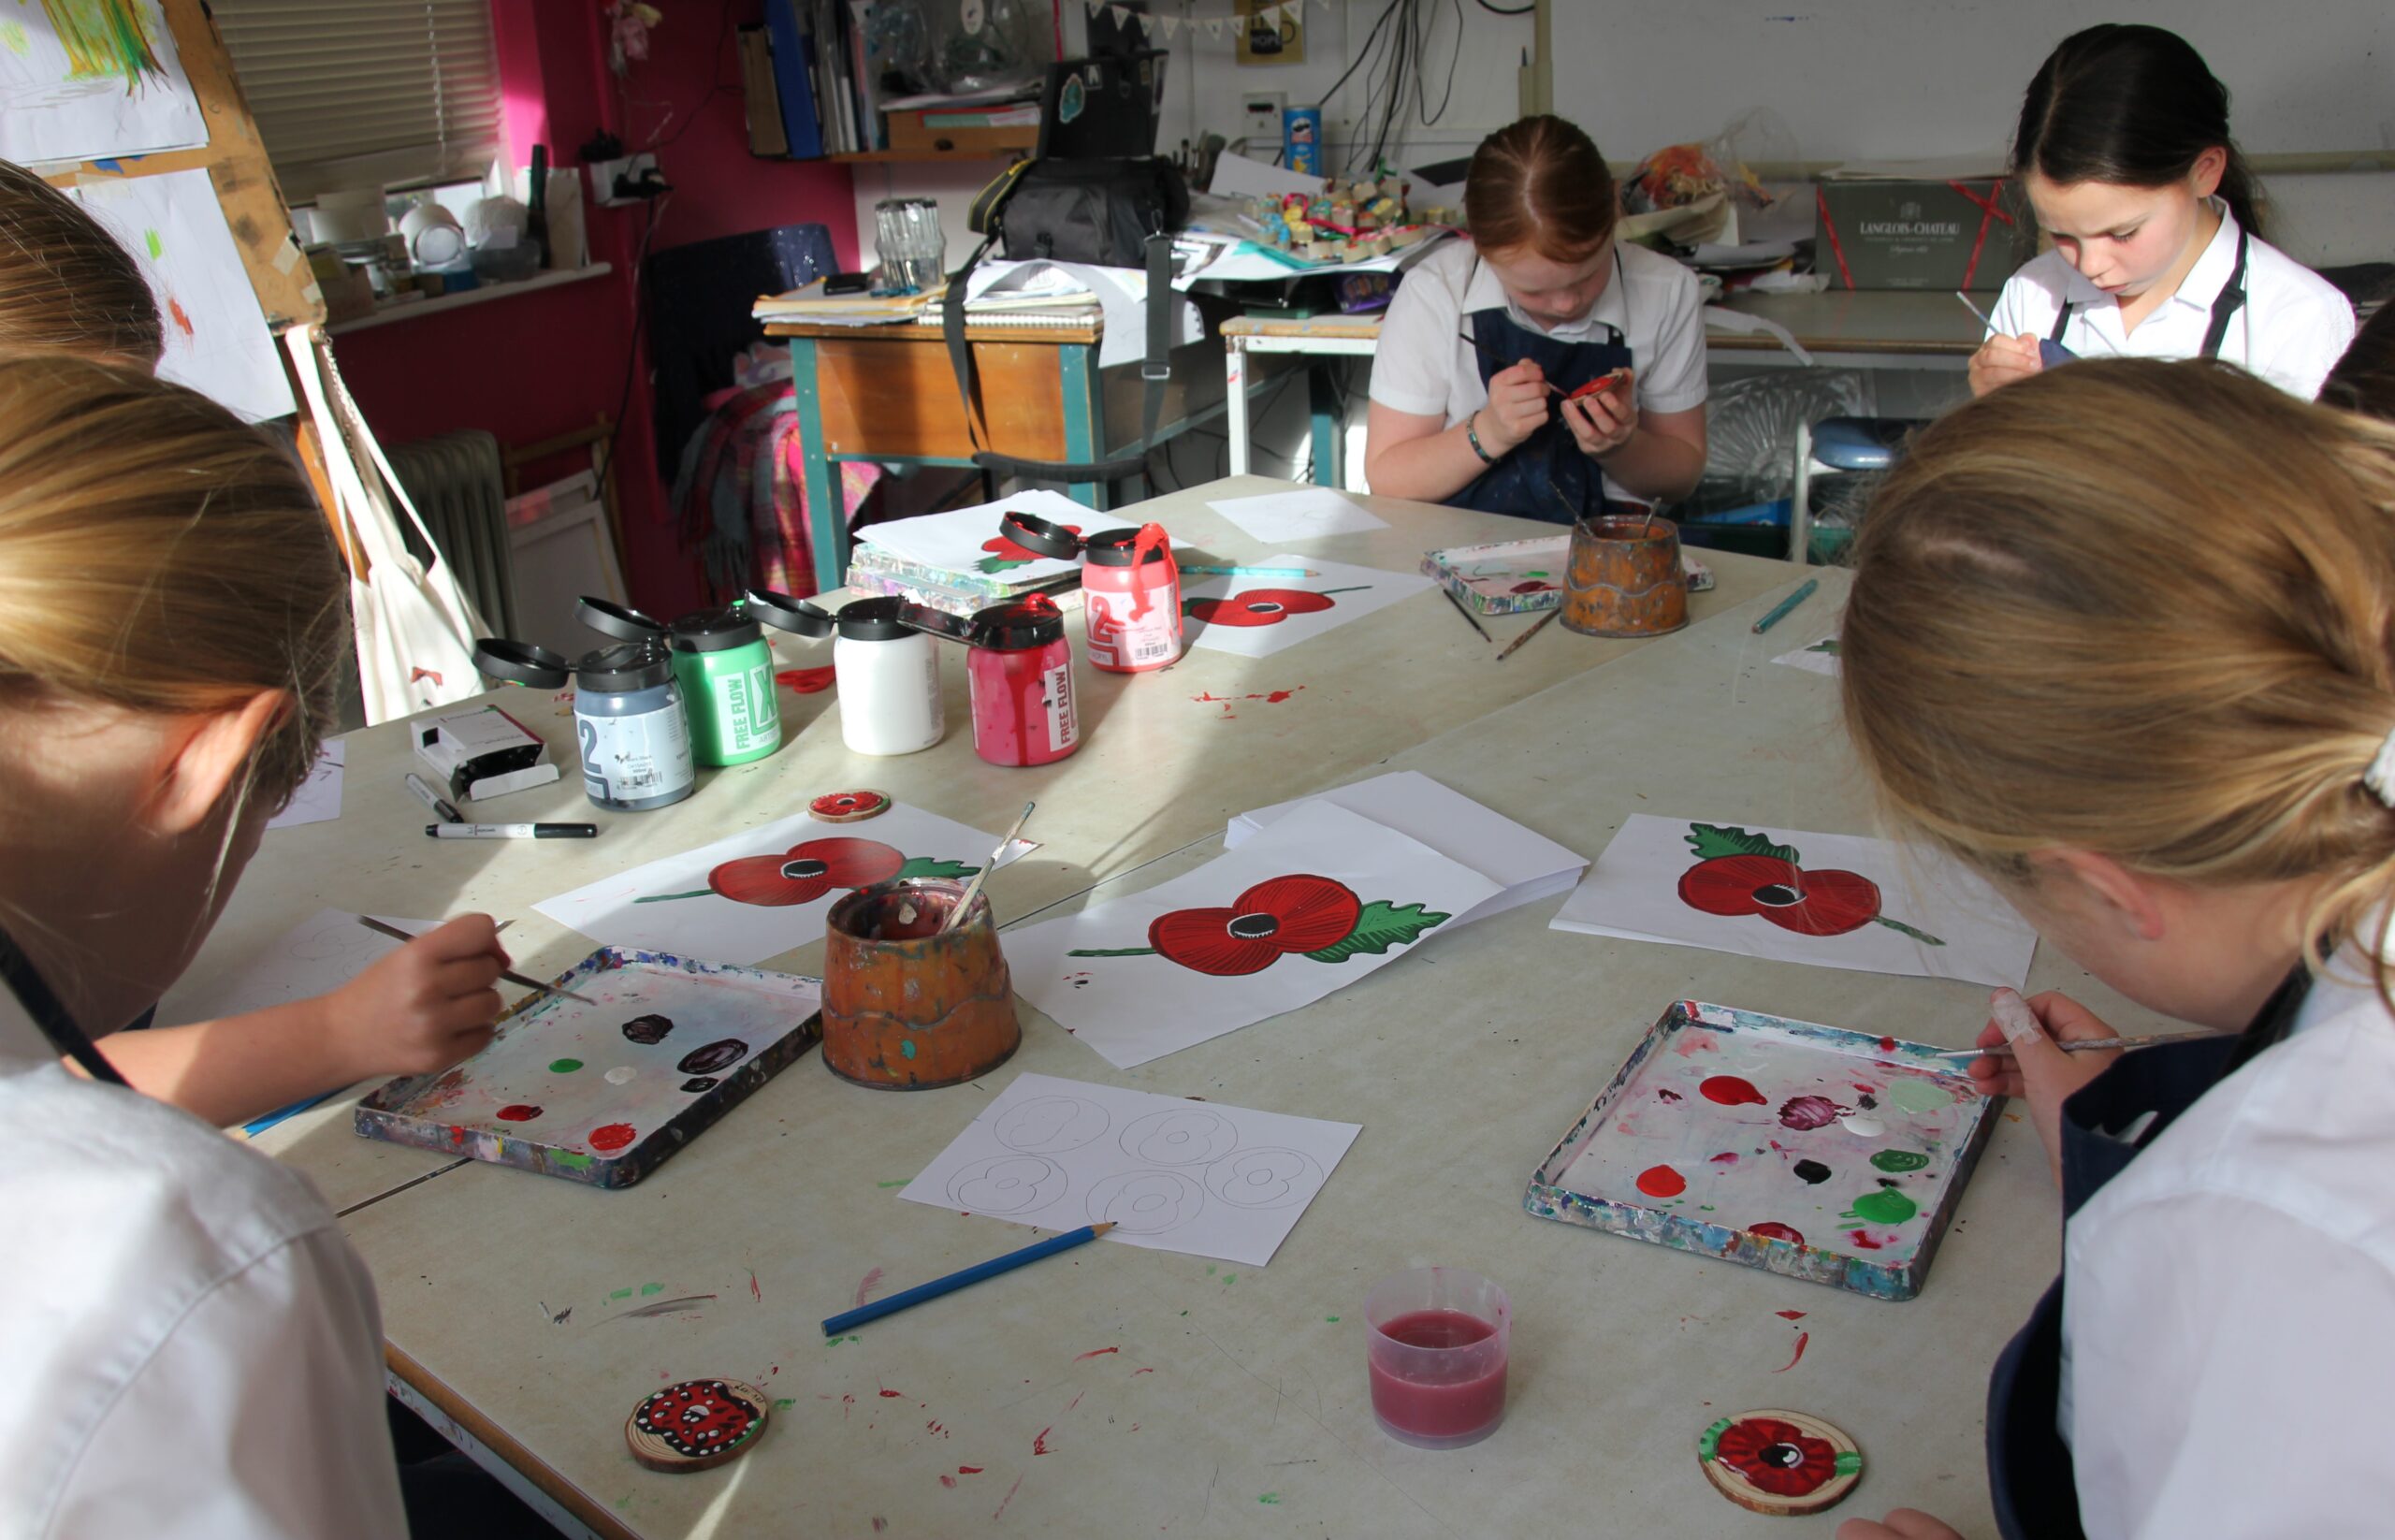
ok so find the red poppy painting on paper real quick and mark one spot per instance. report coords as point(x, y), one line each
point(1302, 914)
point(1743, 874)
point(1262, 606)
point(809, 870)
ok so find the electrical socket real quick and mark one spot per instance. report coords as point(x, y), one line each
point(1261, 112)
point(611, 181)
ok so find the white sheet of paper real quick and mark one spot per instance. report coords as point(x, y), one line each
point(1266, 614)
point(217, 340)
point(55, 108)
point(1526, 864)
point(1813, 657)
point(1303, 513)
point(1635, 891)
point(315, 956)
point(958, 541)
point(1122, 295)
point(1201, 1178)
point(684, 917)
point(1134, 1009)
point(318, 797)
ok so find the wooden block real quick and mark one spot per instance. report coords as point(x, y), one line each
point(1780, 1463)
point(848, 807)
point(696, 1424)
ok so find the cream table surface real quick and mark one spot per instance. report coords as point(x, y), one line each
point(1166, 757)
point(1120, 1391)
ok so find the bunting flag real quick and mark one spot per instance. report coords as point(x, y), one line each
point(1284, 10)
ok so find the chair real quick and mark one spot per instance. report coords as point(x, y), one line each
point(1841, 454)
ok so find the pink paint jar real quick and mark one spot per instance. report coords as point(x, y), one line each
point(1131, 588)
point(1018, 671)
point(1439, 1342)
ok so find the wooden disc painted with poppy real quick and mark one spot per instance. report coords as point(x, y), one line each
point(1780, 1463)
point(696, 1424)
point(848, 807)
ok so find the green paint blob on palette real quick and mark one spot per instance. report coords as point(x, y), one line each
point(564, 1067)
point(1900, 1160)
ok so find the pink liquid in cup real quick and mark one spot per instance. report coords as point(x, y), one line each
point(1437, 1356)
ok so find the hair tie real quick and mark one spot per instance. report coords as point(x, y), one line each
point(2380, 777)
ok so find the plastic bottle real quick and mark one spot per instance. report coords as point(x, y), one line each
point(1131, 588)
point(888, 675)
point(1020, 671)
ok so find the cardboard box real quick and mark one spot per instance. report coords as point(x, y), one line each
point(483, 752)
point(1881, 230)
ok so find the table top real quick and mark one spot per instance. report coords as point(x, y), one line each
point(1134, 791)
point(1118, 1389)
point(1346, 327)
point(911, 331)
point(1926, 323)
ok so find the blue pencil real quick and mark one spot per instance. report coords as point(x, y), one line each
point(847, 1320)
point(1786, 604)
point(260, 1125)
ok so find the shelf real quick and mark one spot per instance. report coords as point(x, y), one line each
point(384, 314)
point(891, 157)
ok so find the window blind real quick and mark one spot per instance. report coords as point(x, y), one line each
point(357, 93)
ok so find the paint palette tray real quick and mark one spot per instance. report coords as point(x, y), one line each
point(1515, 576)
point(1809, 1151)
point(604, 1094)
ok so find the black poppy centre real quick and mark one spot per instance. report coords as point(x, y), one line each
point(1264, 606)
point(1253, 927)
point(802, 869)
point(1778, 895)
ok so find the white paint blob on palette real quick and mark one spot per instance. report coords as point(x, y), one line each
point(1171, 1174)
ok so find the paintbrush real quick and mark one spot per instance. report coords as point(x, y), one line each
point(402, 936)
point(956, 915)
point(2083, 1045)
point(1499, 360)
point(1514, 646)
point(1470, 618)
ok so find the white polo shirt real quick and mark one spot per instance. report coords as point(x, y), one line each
point(195, 1351)
point(2227, 1308)
point(2293, 327)
point(1425, 367)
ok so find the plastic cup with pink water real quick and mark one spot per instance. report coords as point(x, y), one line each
point(1439, 1342)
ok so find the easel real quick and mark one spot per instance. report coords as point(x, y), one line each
point(235, 162)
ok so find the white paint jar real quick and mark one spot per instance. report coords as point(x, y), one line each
point(888, 675)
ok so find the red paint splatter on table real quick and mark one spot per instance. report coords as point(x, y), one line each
point(1227, 701)
point(1789, 1314)
point(1887, 1045)
point(517, 1111)
point(1039, 1445)
point(1801, 1338)
point(1136, 1373)
point(1661, 1182)
point(968, 1470)
point(1731, 1091)
point(892, 1395)
point(865, 1286)
point(1095, 1353)
point(613, 1136)
point(806, 681)
point(1075, 1401)
point(756, 1293)
point(946, 1480)
point(1008, 1497)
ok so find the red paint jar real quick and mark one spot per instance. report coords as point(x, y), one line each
point(1132, 591)
point(1020, 675)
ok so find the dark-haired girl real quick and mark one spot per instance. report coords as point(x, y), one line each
point(2124, 151)
point(1487, 342)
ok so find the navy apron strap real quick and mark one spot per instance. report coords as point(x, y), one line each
point(2228, 301)
point(2062, 323)
point(50, 1014)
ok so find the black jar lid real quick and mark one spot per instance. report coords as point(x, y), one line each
point(880, 618)
point(623, 669)
point(716, 630)
point(1026, 623)
point(621, 622)
point(1116, 549)
point(520, 662)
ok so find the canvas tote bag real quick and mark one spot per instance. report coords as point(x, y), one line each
point(415, 628)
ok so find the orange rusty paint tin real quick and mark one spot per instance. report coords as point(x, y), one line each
point(1623, 578)
point(905, 1007)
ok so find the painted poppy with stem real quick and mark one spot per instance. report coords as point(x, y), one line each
point(1302, 914)
point(1747, 874)
point(1775, 1457)
point(1263, 606)
point(807, 871)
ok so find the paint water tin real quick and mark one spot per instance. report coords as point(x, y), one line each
point(1020, 675)
point(1622, 577)
point(1301, 140)
point(908, 1006)
point(1131, 591)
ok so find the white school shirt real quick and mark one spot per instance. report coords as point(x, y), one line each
point(2228, 1313)
point(2293, 327)
point(1425, 367)
point(191, 1347)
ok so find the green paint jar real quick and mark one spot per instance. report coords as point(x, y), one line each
point(726, 672)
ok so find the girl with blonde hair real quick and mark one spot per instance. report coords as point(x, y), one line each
point(68, 287)
point(2176, 755)
point(194, 1348)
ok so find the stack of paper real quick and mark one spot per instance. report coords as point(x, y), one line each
point(1310, 896)
point(958, 561)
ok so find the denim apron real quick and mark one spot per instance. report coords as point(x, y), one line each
point(1545, 476)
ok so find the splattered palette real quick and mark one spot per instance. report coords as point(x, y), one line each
point(1811, 1151)
point(1511, 576)
point(606, 1092)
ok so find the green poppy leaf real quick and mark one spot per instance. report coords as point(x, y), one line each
point(1709, 840)
point(923, 866)
point(1379, 927)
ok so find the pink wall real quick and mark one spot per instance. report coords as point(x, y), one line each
point(533, 366)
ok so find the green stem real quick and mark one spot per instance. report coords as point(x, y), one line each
point(1921, 936)
point(661, 897)
point(1118, 952)
point(1353, 588)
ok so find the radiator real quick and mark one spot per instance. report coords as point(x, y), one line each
point(458, 484)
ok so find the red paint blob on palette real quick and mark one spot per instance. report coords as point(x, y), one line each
point(1863, 1239)
point(517, 1111)
point(1808, 1113)
point(1727, 1157)
point(612, 1136)
point(1887, 1045)
point(1772, 1229)
point(1731, 1091)
point(1661, 1182)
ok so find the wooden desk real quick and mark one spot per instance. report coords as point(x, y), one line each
point(889, 394)
point(1234, 1403)
point(1316, 336)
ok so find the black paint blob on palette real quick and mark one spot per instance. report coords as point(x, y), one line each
point(699, 1082)
point(647, 1029)
point(1813, 1171)
point(718, 1056)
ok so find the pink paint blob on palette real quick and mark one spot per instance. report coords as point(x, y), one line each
point(1811, 1151)
point(604, 1094)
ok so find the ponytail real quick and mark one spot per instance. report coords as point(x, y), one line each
point(2072, 625)
point(2134, 107)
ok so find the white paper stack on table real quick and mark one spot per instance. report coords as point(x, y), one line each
point(957, 561)
point(1310, 897)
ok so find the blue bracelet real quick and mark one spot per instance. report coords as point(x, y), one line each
point(1472, 436)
